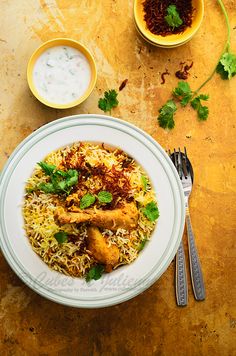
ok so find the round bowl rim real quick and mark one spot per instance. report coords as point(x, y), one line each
point(166, 41)
point(111, 122)
point(53, 42)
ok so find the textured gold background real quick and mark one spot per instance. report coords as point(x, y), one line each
point(150, 323)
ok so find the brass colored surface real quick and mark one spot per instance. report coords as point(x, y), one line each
point(151, 323)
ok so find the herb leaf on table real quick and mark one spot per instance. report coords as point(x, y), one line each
point(172, 18)
point(183, 93)
point(202, 111)
point(109, 100)
point(227, 66)
point(166, 116)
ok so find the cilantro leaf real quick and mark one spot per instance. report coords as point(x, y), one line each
point(151, 211)
point(227, 66)
point(105, 197)
point(172, 18)
point(202, 111)
point(47, 188)
point(60, 173)
point(95, 273)
point(71, 177)
point(144, 181)
point(61, 185)
point(109, 101)
point(61, 237)
point(60, 181)
point(87, 200)
point(166, 116)
point(47, 168)
point(183, 93)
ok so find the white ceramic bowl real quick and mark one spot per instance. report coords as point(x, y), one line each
point(125, 282)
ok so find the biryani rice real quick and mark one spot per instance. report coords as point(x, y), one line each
point(72, 258)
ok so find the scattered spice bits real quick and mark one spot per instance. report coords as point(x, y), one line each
point(123, 84)
point(156, 11)
point(183, 73)
point(163, 76)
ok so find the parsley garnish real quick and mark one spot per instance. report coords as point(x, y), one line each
point(105, 197)
point(151, 211)
point(202, 111)
point(109, 101)
point(87, 200)
point(172, 18)
point(60, 181)
point(166, 116)
point(61, 237)
point(95, 273)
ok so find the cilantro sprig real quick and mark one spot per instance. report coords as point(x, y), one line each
point(184, 95)
point(109, 100)
point(172, 18)
point(61, 182)
point(226, 68)
point(95, 273)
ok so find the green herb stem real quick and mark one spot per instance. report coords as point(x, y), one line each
point(226, 47)
point(206, 81)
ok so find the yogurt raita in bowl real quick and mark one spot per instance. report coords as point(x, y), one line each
point(61, 73)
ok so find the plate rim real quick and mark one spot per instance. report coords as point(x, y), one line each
point(125, 295)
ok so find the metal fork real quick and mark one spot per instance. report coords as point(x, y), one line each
point(181, 283)
point(184, 169)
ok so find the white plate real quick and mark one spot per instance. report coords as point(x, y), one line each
point(126, 282)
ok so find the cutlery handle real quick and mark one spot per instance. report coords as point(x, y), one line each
point(195, 266)
point(181, 285)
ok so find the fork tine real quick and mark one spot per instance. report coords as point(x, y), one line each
point(175, 159)
point(185, 163)
point(185, 152)
point(180, 164)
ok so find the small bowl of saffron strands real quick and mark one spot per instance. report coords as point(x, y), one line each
point(168, 23)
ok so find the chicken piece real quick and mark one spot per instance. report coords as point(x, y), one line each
point(104, 254)
point(124, 218)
